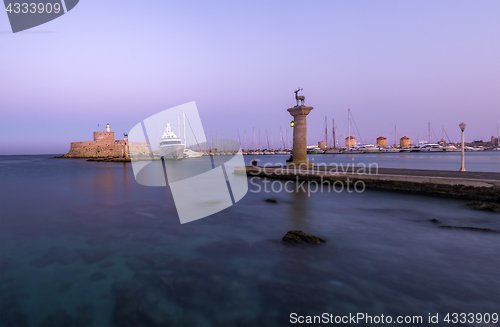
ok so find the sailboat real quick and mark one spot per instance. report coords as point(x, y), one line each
point(333, 150)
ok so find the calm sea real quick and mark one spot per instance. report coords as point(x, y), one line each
point(82, 244)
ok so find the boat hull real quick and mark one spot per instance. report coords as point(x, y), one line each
point(172, 152)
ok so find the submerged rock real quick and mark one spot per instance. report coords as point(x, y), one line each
point(435, 221)
point(299, 237)
point(488, 206)
point(271, 200)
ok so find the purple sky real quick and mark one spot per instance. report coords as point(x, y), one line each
point(392, 62)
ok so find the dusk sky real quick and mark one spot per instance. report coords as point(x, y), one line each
point(392, 62)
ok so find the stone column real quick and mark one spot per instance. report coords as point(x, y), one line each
point(299, 114)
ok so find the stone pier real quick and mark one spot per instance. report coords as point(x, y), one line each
point(299, 114)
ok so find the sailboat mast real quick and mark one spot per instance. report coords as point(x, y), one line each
point(245, 138)
point(287, 140)
point(348, 129)
point(395, 135)
point(254, 141)
point(272, 141)
point(281, 139)
point(184, 125)
point(326, 133)
point(267, 140)
point(333, 132)
point(178, 125)
point(429, 131)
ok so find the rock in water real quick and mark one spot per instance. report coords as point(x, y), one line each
point(271, 200)
point(479, 205)
point(299, 237)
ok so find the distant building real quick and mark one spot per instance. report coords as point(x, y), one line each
point(404, 142)
point(381, 141)
point(103, 145)
point(352, 142)
point(321, 144)
point(494, 141)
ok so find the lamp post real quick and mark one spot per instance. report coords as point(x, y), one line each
point(462, 127)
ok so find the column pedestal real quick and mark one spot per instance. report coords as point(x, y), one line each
point(299, 114)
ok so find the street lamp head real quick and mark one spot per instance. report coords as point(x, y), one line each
point(462, 126)
point(292, 123)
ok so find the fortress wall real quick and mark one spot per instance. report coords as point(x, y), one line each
point(107, 137)
point(94, 149)
point(138, 148)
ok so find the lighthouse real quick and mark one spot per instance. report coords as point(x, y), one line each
point(108, 129)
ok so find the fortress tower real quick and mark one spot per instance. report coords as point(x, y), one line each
point(105, 137)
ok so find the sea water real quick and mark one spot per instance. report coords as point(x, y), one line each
point(82, 244)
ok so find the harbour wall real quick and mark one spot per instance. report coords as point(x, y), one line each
point(410, 181)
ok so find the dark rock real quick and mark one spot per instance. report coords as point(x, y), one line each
point(98, 275)
point(299, 237)
point(161, 260)
point(472, 228)
point(93, 255)
point(64, 287)
point(60, 319)
point(488, 206)
point(271, 200)
point(435, 221)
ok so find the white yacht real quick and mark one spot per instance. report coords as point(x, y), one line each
point(450, 148)
point(188, 153)
point(171, 147)
point(432, 147)
point(368, 148)
point(389, 149)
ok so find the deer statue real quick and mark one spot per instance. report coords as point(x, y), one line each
point(300, 98)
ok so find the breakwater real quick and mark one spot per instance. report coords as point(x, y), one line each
point(466, 185)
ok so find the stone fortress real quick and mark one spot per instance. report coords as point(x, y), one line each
point(103, 146)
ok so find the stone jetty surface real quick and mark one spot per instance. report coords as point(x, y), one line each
point(468, 185)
